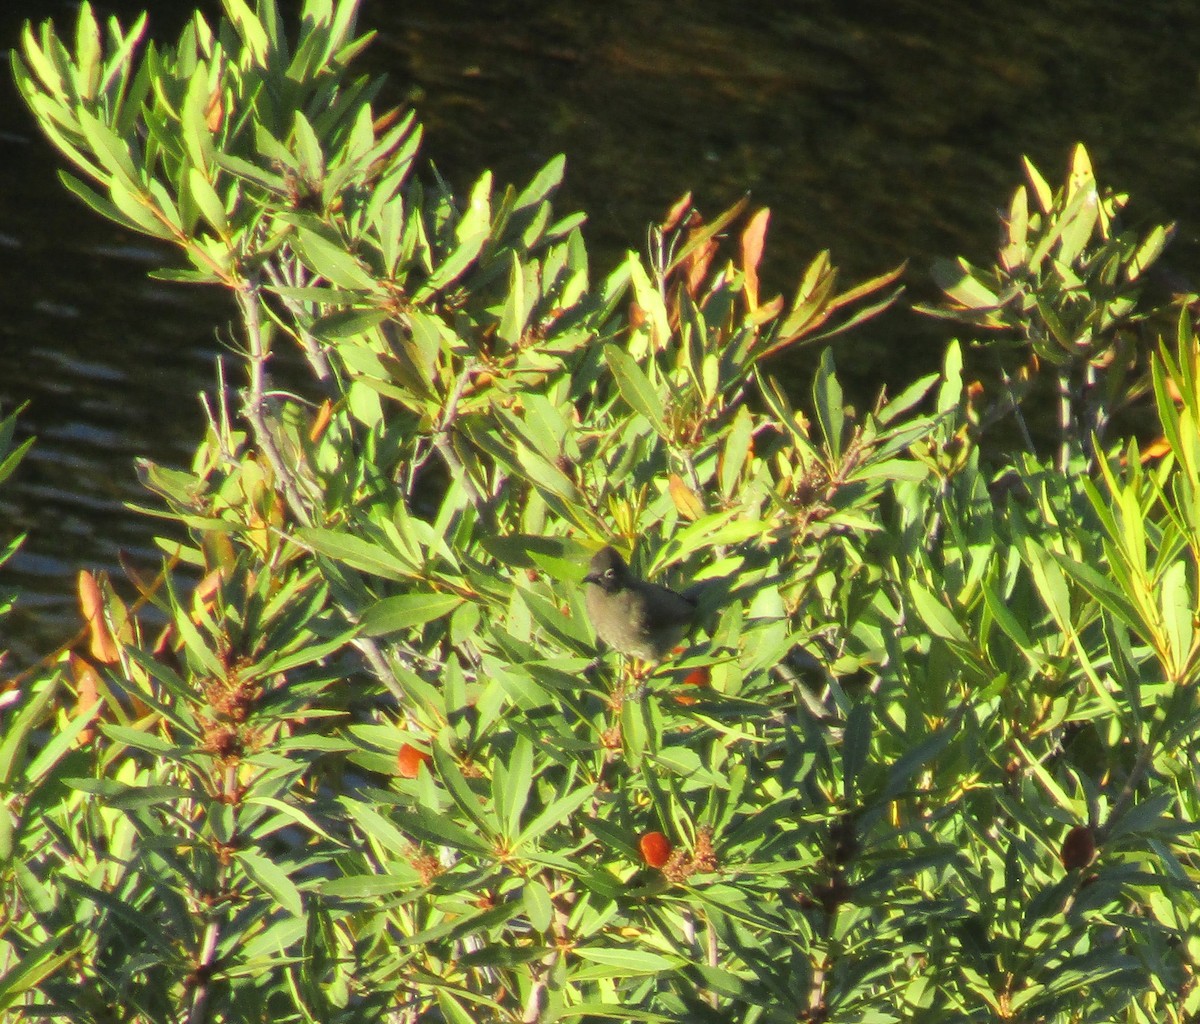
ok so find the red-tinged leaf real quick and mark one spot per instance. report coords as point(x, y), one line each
point(697, 267)
point(321, 421)
point(87, 693)
point(701, 676)
point(701, 235)
point(677, 213)
point(91, 602)
point(687, 502)
point(875, 284)
point(214, 112)
point(768, 311)
point(145, 588)
point(753, 238)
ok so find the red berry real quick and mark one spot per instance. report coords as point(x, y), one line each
point(656, 849)
point(409, 761)
point(696, 677)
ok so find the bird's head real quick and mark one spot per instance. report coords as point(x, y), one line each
point(607, 570)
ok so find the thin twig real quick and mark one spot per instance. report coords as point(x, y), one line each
point(254, 407)
point(1159, 727)
point(312, 350)
point(535, 1001)
point(206, 961)
point(1015, 408)
point(713, 959)
point(1064, 420)
point(443, 441)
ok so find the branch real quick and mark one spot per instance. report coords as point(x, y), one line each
point(249, 301)
point(300, 316)
point(1065, 431)
point(254, 407)
point(443, 442)
point(206, 962)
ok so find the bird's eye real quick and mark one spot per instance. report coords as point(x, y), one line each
point(610, 574)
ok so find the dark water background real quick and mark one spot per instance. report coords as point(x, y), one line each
point(880, 129)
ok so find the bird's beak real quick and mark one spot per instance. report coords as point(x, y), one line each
point(591, 577)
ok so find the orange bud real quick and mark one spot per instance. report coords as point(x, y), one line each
point(409, 761)
point(656, 849)
point(320, 421)
point(696, 677)
point(214, 111)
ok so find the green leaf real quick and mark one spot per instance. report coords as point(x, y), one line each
point(6, 836)
point(110, 149)
point(407, 611)
point(297, 814)
point(453, 266)
point(543, 184)
point(558, 812)
point(18, 728)
point(34, 966)
point(916, 758)
point(1051, 584)
point(253, 35)
point(828, 400)
point(375, 826)
point(308, 148)
point(368, 887)
point(856, 745)
point(138, 739)
point(737, 447)
point(588, 1011)
point(136, 207)
point(625, 963)
point(436, 827)
point(699, 237)
point(193, 120)
point(511, 786)
point(97, 202)
point(469, 802)
point(936, 616)
point(517, 306)
point(348, 323)
point(331, 259)
point(1149, 250)
point(537, 905)
point(1045, 197)
point(1178, 615)
point(958, 280)
point(1004, 617)
point(247, 171)
point(356, 552)
point(635, 386)
point(209, 203)
point(272, 878)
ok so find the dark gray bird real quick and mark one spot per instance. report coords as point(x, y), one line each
point(639, 619)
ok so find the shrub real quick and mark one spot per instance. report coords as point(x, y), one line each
point(940, 760)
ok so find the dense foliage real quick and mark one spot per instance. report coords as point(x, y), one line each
point(929, 754)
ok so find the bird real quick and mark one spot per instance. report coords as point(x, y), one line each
point(636, 618)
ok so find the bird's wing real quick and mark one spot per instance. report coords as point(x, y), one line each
point(667, 608)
